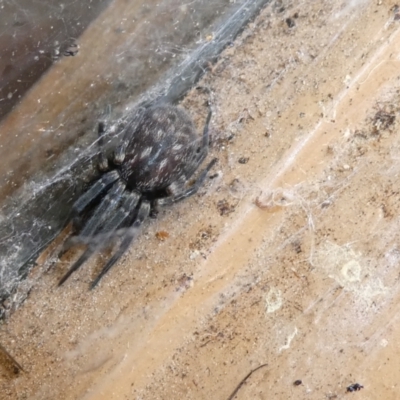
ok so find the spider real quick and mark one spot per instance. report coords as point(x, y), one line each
point(150, 168)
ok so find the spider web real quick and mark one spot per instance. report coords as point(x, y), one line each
point(163, 50)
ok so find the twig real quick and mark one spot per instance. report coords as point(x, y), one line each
point(244, 380)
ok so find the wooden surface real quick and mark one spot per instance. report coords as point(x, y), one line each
point(289, 257)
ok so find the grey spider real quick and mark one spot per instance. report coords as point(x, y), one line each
point(151, 168)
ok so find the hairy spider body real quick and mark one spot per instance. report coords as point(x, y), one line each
point(158, 155)
point(165, 152)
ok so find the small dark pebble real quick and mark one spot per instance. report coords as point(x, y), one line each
point(243, 160)
point(355, 387)
point(297, 247)
point(290, 22)
point(298, 382)
point(224, 207)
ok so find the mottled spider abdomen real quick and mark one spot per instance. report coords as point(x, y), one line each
point(163, 149)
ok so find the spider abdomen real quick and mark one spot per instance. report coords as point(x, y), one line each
point(161, 150)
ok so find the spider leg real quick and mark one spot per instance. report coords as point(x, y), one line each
point(206, 136)
point(202, 151)
point(103, 160)
point(103, 210)
point(105, 182)
point(143, 212)
point(179, 193)
point(78, 263)
point(128, 204)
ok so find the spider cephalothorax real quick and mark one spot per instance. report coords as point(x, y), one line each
point(158, 155)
